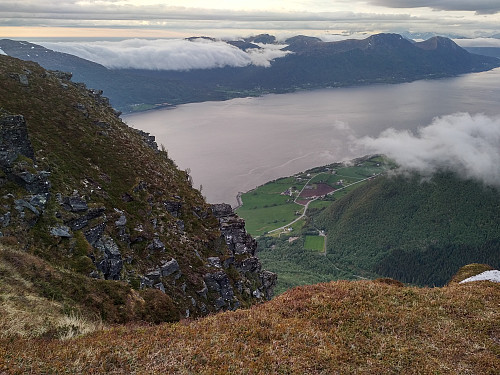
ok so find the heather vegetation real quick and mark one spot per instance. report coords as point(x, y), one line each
point(364, 327)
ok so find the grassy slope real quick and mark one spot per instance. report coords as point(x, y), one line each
point(38, 299)
point(340, 327)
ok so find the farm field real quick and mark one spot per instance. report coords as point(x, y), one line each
point(278, 203)
point(316, 243)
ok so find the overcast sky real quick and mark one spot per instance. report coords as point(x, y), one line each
point(223, 18)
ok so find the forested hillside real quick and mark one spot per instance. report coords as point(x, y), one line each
point(413, 230)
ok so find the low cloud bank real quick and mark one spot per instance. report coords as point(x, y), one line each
point(466, 144)
point(168, 54)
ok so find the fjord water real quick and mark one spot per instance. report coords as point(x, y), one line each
point(235, 145)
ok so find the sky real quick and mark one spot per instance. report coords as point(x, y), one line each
point(239, 18)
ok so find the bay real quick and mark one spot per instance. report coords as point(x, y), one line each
point(235, 145)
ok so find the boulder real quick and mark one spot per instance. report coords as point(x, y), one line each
point(61, 231)
point(112, 263)
point(75, 204)
point(170, 267)
point(214, 262)
point(83, 221)
point(173, 208)
point(156, 245)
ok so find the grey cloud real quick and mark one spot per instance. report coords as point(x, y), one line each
point(167, 54)
point(478, 6)
point(120, 15)
point(463, 143)
point(71, 9)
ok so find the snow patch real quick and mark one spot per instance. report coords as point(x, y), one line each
point(2, 52)
point(486, 275)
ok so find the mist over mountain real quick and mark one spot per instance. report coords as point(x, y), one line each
point(142, 74)
point(461, 143)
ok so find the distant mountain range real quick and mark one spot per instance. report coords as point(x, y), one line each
point(313, 63)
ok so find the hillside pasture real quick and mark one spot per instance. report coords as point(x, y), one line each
point(316, 243)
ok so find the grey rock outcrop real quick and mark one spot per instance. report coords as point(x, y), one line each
point(61, 231)
point(149, 140)
point(233, 230)
point(75, 204)
point(14, 140)
point(157, 245)
point(240, 243)
point(169, 268)
point(219, 283)
point(112, 263)
point(84, 220)
point(173, 208)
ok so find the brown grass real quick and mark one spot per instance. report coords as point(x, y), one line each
point(468, 271)
point(25, 313)
point(334, 328)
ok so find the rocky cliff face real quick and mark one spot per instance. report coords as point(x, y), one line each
point(86, 193)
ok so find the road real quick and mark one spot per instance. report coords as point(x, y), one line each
point(315, 198)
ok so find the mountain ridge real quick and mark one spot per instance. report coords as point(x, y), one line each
point(381, 58)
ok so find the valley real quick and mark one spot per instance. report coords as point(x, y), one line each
point(397, 226)
point(281, 205)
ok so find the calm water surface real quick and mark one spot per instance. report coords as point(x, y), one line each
point(235, 145)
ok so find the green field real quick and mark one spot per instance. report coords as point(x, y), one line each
point(265, 208)
point(316, 243)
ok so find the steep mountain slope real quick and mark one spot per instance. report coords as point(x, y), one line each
point(341, 327)
point(314, 63)
point(485, 51)
point(94, 200)
point(381, 58)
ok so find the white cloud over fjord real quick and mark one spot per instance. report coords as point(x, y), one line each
point(168, 54)
point(466, 144)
